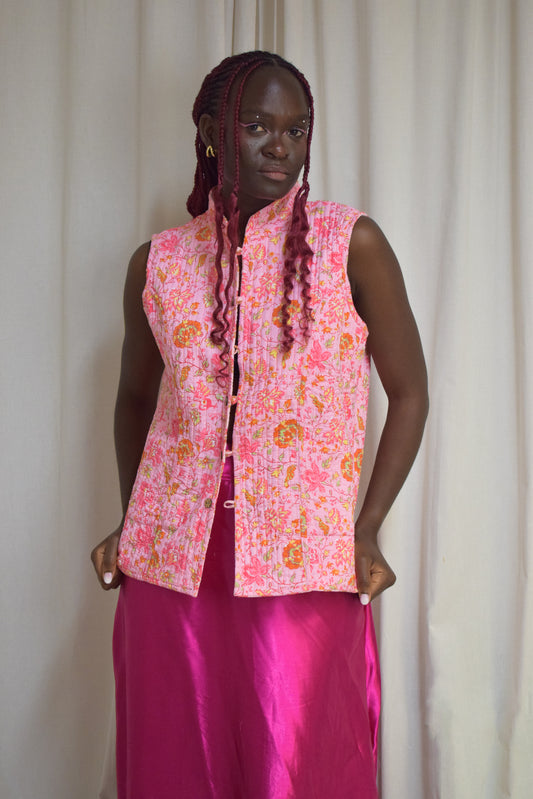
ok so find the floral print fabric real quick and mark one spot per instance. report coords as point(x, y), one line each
point(300, 422)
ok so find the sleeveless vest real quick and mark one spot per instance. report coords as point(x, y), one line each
point(300, 421)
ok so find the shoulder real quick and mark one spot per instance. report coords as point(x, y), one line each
point(137, 266)
point(367, 239)
point(373, 269)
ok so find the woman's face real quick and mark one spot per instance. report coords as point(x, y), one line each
point(273, 125)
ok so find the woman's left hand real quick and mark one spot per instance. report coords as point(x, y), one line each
point(394, 344)
point(372, 572)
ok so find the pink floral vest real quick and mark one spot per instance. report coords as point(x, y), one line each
point(300, 423)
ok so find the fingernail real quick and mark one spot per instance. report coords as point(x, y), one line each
point(364, 599)
point(108, 577)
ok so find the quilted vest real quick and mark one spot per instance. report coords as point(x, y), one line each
point(300, 420)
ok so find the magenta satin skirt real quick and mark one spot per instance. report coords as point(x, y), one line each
point(223, 697)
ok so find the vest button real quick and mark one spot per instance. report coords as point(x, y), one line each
point(208, 503)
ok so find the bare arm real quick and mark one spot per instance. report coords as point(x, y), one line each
point(140, 376)
point(394, 344)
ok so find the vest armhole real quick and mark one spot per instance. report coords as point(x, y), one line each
point(150, 267)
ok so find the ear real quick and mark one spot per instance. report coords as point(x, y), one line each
point(208, 130)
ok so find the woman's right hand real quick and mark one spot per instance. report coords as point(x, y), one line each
point(140, 378)
point(104, 558)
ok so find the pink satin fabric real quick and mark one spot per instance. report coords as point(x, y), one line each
point(223, 697)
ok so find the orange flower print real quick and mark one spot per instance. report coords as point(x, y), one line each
point(294, 307)
point(300, 525)
point(258, 252)
point(347, 467)
point(350, 463)
point(291, 471)
point(292, 554)
point(358, 460)
point(287, 432)
point(299, 391)
point(318, 404)
point(250, 498)
point(204, 234)
point(184, 375)
point(303, 524)
point(186, 332)
point(184, 450)
point(154, 561)
point(346, 344)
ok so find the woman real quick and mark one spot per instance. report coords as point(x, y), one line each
point(245, 655)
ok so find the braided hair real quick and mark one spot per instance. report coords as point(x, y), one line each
point(213, 99)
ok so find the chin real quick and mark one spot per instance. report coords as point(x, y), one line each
point(274, 188)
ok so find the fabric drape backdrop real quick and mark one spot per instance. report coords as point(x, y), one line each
point(424, 120)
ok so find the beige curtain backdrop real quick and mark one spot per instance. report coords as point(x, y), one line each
point(425, 117)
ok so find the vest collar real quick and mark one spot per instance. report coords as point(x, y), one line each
point(282, 209)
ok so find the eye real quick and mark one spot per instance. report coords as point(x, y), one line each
point(297, 133)
point(253, 127)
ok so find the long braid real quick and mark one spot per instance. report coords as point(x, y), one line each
point(296, 245)
point(213, 99)
point(220, 314)
point(233, 218)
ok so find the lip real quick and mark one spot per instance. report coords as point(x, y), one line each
point(274, 173)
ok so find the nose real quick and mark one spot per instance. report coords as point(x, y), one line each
point(275, 146)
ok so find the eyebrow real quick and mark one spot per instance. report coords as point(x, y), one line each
point(265, 115)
